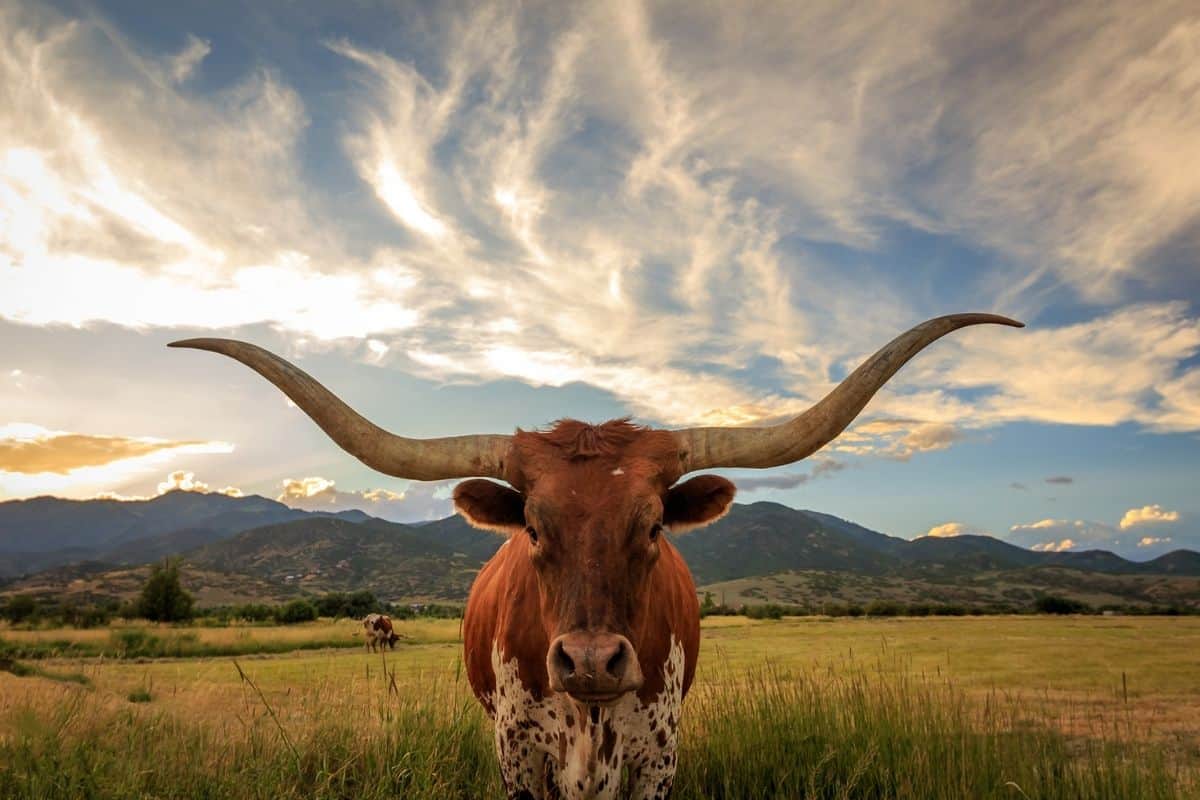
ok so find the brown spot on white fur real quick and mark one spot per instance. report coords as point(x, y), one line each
point(557, 747)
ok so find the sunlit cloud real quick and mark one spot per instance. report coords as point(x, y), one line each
point(417, 502)
point(1054, 547)
point(177, 481)
point(1151, 541)
point(36, 460)
point(1063, 534)
point(949, 530)
point(611, 197)
point(1147, 515)
point(30, 449)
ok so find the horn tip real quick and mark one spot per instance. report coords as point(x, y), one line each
point(199, 344)
point(961, 320)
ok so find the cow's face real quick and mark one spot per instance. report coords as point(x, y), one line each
point(591, 525)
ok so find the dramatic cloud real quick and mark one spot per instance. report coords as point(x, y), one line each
point(31, 450)
point(418, 502)
point(619, 182)
point(1060, 479)
point(1147, 515)
point(35, 460)
point(824, 466)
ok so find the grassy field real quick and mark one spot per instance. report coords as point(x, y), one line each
point(124, 640)
point(933, 708)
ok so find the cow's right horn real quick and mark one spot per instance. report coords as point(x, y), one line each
point(416, 459)
point(772, 446)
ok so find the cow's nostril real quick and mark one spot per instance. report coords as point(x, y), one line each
point(616, 664)
point(563, 661)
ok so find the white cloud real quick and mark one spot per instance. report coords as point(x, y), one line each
point(1054, 547)
point(1047, 523)
point(1147, 515)
point(181, 480)
point(417, 502)
point(1064, 534)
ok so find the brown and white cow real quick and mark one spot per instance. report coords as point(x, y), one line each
point(581, 633)
point(378, 631)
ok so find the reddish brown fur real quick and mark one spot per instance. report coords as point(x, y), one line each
point(594, 567)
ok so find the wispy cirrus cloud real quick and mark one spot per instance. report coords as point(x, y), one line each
point(823, 467)
point(610, 195)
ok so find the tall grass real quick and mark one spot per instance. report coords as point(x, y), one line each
point(810, 734)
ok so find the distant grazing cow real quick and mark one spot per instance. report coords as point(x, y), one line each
point(581, 633)
point(377, 628)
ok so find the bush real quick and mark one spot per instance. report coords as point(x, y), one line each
point(884, 608)
point(354, 605)
point(163, 597)
point(296, 611)
point(19, 608)
point(1053, 604)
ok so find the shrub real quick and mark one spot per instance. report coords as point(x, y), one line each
point(884, 608)
point(19, 608)
point(296, 611)
point(1053, 604)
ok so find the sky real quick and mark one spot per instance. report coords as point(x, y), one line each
point(465, 218)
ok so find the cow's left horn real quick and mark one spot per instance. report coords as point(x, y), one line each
point(704, 448)
point(415, 459)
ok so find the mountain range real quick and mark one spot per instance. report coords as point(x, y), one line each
point(250, 548)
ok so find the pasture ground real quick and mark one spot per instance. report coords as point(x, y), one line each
point(809, 707)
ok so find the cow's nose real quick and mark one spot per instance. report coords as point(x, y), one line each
point(593, 666)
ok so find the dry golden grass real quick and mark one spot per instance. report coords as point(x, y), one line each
point(850, 678)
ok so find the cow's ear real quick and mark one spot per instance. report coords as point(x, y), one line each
point(490, 506)
point(695, 503)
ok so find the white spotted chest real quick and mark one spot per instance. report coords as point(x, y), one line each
point(557, 748)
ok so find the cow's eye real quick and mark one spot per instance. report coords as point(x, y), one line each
point(655, 531)
point(533, 536)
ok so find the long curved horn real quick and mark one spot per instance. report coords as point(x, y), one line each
point(415, 459)
point(704, 448)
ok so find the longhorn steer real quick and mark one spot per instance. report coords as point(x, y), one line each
point(581, 633)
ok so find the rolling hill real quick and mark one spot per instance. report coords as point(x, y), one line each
point(762, 551)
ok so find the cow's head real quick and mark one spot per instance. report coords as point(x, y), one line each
point(588, 504)
point(588, 507)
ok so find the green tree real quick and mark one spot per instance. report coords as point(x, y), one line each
point(163, 597)
point(20, 608)
point(296, 611)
